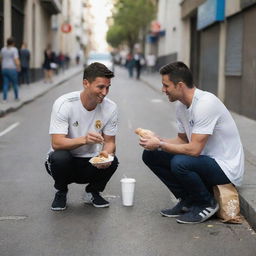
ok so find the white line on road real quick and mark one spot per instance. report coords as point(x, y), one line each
point(11, 127)
point(13, 218)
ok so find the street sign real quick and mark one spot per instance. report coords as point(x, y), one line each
point(66, 28)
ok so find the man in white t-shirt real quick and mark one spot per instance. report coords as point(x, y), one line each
point(206, 152)
point(83, 125)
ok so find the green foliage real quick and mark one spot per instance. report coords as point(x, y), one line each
point(131, 17)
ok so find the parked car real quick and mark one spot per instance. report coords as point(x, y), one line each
point(102, 57)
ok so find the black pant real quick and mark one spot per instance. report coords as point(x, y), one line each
point(66, 169)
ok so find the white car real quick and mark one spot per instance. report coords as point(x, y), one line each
point(104, 58)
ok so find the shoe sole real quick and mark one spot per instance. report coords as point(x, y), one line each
point(96, 205)
point(169, 216)
point(197, 222)
point(58, 209)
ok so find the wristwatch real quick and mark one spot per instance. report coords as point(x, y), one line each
point(160, 146)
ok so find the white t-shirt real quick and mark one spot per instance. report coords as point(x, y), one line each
point(71, 118)
point(208, 115)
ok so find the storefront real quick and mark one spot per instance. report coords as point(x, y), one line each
point(209, 15)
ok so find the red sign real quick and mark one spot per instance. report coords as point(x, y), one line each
point(66, 28)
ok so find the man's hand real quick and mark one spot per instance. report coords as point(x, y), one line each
point(94, 138)
point(150, 143)
point(102, 166)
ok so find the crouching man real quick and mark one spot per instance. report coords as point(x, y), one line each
point(207, 150)
point(83, 125)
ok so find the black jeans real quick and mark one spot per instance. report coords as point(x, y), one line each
point(187, 177)
point(66, 169)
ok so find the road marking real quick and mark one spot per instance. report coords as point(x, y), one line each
point(11, 127)
point(156, 100)
point(13, 218)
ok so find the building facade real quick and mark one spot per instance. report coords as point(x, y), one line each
point(216, 38)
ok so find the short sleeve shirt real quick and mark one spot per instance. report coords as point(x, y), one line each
point(71, 118)
point(208, 115)
point(9, 54)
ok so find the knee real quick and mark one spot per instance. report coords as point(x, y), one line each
point(60, 157)
point(178, 163)
point(147, 157)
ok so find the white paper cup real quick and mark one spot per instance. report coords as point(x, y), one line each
point(128, 186)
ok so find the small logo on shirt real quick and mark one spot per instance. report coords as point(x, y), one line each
point(75, 123)
point(98, 124)
point(191, 123)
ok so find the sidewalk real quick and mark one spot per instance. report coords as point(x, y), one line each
point(30, 92)
point(247, 130)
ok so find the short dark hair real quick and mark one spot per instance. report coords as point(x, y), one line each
point(10, 41)
point(97, 69)
point(178, 72)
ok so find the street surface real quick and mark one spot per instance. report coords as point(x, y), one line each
point(29, 228)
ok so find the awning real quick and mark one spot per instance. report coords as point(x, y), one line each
point(51, 6)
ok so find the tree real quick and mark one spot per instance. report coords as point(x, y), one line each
point(131, 17)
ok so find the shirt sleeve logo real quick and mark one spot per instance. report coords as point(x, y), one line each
point(98, 124)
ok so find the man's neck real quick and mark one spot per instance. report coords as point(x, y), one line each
point(188, 96)
point(87, 102)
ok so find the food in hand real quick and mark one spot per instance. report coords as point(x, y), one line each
point(103, 154)
point(101, 158)
point(144, 132)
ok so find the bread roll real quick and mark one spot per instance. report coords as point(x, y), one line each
point(144, 132)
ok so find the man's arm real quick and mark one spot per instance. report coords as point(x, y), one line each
point(60, 141)
point(180, 139)
point(109, 144)
point(192, 148)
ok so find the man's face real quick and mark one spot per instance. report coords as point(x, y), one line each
point(98, 89)
point(170, 89)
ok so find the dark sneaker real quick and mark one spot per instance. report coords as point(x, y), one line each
point(198, 214)
point(180, 208)
point(96, 199)
point(59, 202)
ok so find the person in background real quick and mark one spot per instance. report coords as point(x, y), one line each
point(130, 64)
point(139, 62)
point(49, 61)
point(10, 68)
point(24, 62)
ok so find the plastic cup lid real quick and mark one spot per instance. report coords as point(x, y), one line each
point(128, 180)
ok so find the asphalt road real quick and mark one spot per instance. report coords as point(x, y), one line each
point(29, 228)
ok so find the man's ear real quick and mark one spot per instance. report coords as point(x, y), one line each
point(181, 85)
point(85, 83)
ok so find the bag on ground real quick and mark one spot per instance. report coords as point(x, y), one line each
point(228, 199)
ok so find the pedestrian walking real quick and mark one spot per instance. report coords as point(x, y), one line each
point(139, 62)
point(130, 63)
point(24, 62)
point(151, 62)
point(83, 125)
point(206, 152)
point(49, 64)
point(10, 68)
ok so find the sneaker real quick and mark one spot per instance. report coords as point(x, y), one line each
point(198, 214)
point(181, 207)
point(59, 202)
point(96, 199)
